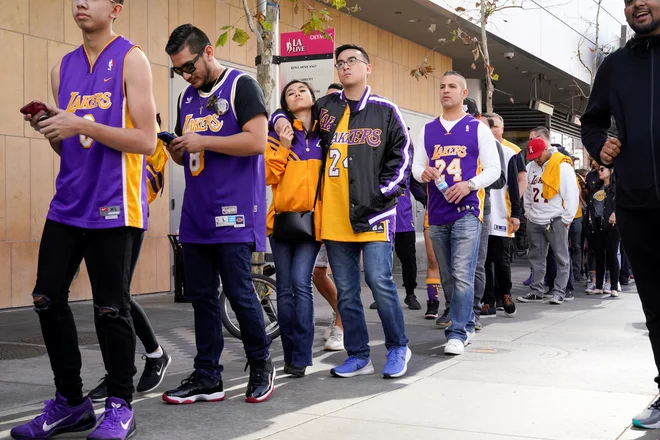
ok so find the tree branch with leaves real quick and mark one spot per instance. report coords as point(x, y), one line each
point(262, 19)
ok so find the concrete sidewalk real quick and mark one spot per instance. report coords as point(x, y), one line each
point(576, 371)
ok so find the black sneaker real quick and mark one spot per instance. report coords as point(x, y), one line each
point(569, 296)
point(154, 372)
point(509, 306)
point(431, 309)
point(196, 387)
point(100, 393)
point(557, 300)
point(296, 371)
point(444, 321)
point(412, 303)
point(530, 297)
point(262, 380)
point(499, 304)
point(287, 368)
point(488, 311)
point(373, 306)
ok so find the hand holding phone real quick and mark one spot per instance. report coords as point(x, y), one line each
point(34, 108)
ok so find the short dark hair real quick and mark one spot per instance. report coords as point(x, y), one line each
point(336, 86)
point(119, 2)
point(344, 47)
point(187, 35)
point(543, 131)
point(283, 105)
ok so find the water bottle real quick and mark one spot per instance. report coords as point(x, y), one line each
point(442, 185)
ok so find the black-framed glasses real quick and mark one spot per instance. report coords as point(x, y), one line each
point(601, 169)
point(350, 62)
point(188, 67)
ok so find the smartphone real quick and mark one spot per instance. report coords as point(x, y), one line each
point(33, 108)
point(166, 137)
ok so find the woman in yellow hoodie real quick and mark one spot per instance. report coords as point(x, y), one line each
point(293, 163)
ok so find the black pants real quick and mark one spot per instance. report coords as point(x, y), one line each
point(625, 272)
point(404, 246)
point(108, 257)
point(606, 246)
point(143, 329)
point(641, 244)
point(499, 284)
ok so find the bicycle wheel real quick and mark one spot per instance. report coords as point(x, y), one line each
point(264, 288)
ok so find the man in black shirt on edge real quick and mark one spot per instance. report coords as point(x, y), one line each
point(616, 92)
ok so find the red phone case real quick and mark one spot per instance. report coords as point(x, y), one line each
point(33, 108)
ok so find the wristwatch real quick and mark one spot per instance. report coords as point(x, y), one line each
point(471, 185)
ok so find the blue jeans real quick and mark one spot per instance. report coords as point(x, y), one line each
point(456, 247)
point(204, 265)
point(294, 263)
point(345, 262)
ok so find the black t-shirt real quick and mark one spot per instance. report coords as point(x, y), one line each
point(249, 100)
point(352, 104)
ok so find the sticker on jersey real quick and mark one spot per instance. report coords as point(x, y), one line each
point(110, 212)
point(500, 228)
point(234, 221)
point(111, 63)
point(379, 228)
point(229, 210)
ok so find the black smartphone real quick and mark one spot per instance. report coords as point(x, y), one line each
point(166, 137)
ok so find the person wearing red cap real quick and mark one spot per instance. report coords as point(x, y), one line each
point(551, 201)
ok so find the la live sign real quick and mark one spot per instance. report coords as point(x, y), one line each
point(307, 58)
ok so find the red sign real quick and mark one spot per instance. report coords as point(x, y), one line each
point(293, 44)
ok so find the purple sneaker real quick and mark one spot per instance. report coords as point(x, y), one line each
point(118, 421)
point(528, 281)
point(57, 418)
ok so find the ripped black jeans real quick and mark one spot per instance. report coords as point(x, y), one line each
point(108, 256)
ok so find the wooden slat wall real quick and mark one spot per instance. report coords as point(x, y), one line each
point(37, 33)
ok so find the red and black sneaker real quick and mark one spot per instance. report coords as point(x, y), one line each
point(262, 380)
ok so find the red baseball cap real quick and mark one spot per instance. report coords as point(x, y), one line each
point(535, 148)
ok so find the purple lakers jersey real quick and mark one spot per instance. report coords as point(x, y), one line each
point(225, 196)
point(404, 212)
point(98, 187)
point(456, 155)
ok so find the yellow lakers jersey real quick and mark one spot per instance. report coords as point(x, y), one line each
point(336, 223)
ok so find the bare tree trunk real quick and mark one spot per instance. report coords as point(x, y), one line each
point(486, 59)
point(266, 47)
point(594, 65)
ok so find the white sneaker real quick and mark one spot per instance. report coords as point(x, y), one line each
point(614, 293)
point(336, 340)
point(328, 330)
point(455, 347)
point(607, 288)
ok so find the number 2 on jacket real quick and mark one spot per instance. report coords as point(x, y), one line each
point(335, 157)
point(454, 168)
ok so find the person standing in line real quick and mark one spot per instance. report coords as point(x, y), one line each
point(222, 134)
point(551, 201)
point(103, 126)
point(453, 148)
point(368, 163)
point(293, 167)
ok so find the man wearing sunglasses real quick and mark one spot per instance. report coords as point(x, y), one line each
point(102, 126)
point(222, 133)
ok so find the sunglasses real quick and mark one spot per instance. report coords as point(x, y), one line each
point(601, 169)
point(188, 67)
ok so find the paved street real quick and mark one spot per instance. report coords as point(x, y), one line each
point(576, 371)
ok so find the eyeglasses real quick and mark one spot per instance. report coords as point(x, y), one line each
point(601, 169)
point(350, 62)
point(188, 67)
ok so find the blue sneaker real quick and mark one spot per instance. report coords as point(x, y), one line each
point(57, 418)
point(353, 367)
point(118, 421)
point(397, 362)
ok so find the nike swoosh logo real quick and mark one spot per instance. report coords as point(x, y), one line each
point(46, 427)
point(127, 424)
point(160, 371)
point(107, 79)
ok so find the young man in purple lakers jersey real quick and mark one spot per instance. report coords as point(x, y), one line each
point(103, 126)
point(461, 149)
point(222, 129)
